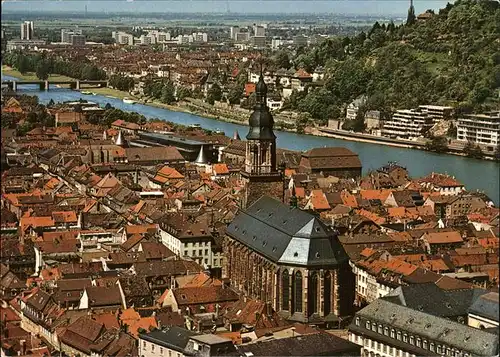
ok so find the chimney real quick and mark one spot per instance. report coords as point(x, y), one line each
point(23, 347)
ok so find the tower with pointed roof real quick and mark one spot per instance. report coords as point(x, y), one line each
point(261, 175)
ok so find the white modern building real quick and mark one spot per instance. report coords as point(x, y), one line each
point(407, 124)
point(437, 112)
point(233, 31)
point(123, 38)
point(66, 35)
point(27, 30)
point(480, 128)
point(200, 37)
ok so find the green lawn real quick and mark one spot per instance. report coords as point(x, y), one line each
point(31, 76)
point(111, 92)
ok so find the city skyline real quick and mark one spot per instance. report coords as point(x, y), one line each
point(347, 7)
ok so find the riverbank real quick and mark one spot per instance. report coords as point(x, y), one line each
point(30, 76)
point(205, 110)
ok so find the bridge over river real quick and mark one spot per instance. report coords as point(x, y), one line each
point(45, 85)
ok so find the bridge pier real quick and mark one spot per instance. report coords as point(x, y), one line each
point(46, 85)
point(14, 86)
point(78, 85)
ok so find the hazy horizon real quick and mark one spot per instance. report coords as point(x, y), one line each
point(340, 7)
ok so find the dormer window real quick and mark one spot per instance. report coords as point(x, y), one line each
point(367, 325)
point(357, 321)
point(374, 327)
point(380, 329)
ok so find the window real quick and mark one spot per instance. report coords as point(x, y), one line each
point(206, 261)
point(386, 331)
point(357, 321)
point(380, 329)
point(399, 335)
point(169, 353)
point(372, 344)
point(368, 325)
point(152, 347)
point(285, 283)
point(206, 251)
point(412, 340)
point(216, 262)
point(200, 252)
point(393, 333)
point(419, 342)
point(431, 347)
point(438, 349)
point(144, 344)
point(298, 292)
point(425, 345)
point(384, 348)
point(185, 252)
point(374, 327)
point(161, 350)
point(405, 338)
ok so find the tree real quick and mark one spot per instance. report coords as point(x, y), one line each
point(168, 93)
point(23, 64)
point(302, 122)
point(282, 60)
point(234, 96)
point(437, 144)
point(214, 94)
point(51, 103)
point(473, 151)
point(183, 92)
point(42, 70)
point(108, 106)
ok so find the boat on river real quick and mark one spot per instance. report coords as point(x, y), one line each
point(128, 101)
point(86, 92)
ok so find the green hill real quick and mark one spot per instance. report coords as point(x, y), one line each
point(451, 58)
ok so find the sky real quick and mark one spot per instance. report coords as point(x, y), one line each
point(350, 7)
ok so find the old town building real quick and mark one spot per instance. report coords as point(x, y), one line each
point(290, 259)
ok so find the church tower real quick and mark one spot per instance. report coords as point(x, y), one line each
point(261, 175)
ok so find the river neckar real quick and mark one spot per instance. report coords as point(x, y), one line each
point(479, 175)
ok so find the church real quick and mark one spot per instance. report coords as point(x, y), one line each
point(278, 253)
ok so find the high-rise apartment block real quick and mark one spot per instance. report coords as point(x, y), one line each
point(27, 30)
point(480, 128)
point(78, 40)
point(233, 32)
point(259, 31)
point(66, 36)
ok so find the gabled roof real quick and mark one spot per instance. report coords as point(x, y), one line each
point(486, 306)
point(286, 235)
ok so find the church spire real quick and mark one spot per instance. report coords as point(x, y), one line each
point(411, 14)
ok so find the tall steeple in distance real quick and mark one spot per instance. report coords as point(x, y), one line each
point(261, 175)
point(411, 14)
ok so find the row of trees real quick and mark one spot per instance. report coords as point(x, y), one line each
point(121, 82)
point(44, 66)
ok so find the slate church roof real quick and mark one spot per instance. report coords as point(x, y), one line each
point(286, 235)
